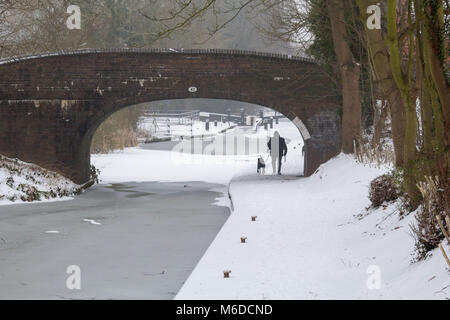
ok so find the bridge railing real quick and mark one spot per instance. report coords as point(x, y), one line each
point(194, 114)
point(13, 59)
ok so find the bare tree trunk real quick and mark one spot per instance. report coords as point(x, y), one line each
point(398, 122)
point(432, 43)
point(404, 82)
point(349, 72)
point(379, 61)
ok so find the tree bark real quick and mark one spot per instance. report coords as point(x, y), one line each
point(404, 83)
point(349, 72)
point(379, 60)
point(434, 66)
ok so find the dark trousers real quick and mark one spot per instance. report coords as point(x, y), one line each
point(277, 159)
point(279, 163)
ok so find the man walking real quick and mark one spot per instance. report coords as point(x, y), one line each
point(278, 150)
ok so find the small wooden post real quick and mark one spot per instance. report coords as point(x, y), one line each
point(226, 273)
point(444, 254)
point(447, 221)
point(438, 218)
point(446, 234)
point(254, 218)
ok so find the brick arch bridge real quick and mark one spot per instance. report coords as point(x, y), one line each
point(51, 104)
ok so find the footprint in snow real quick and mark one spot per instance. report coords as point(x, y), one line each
point(92, 221)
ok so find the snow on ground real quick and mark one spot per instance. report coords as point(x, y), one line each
point(22, 182)
point(310, 242)
point(135, 164)
point(139, 165)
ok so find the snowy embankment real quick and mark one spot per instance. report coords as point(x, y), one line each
point(314, 239)
point(24, 182)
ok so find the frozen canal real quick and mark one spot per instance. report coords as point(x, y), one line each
point(139, 241)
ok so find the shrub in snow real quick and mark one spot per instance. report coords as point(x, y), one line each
point(427, 231)
point(30, 193)
point(95, 174)
point(383, 189)
point(28, 182)
point(10, 182)
point(367, 154)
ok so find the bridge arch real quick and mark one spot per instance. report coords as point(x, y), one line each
point(51, 104)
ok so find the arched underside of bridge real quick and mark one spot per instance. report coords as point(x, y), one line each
point(51, 105)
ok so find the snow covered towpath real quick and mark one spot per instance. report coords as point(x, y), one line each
point(309, 241)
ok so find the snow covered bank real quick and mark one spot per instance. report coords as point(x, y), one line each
point(24, 182)
point(313, 239)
